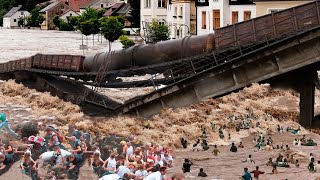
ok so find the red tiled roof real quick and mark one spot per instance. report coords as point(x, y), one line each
point(76, 4)
point(116, 7)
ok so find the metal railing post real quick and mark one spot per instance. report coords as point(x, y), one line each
point(174, 80)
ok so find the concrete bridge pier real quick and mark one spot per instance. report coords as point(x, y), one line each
point(307, 94)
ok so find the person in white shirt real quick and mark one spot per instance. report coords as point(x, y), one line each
point(310, 157)
point(110, 177)
point(249, 159)
point(295, 142)
point(110, 165)
point(166, 158)
point(141, 173)
point(122, 170)
point(126, 169)
point(158, 175)
point(159, 161)
point(317, 167)
point(129, 151)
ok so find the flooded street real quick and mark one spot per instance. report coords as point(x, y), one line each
point(20, 43)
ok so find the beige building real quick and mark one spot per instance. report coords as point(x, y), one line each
point(56, 8)
point(264, 7)
point(181, 17)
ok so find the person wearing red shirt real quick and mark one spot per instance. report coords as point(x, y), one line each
point(256, 173)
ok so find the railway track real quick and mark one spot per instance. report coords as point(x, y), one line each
point(58, 73)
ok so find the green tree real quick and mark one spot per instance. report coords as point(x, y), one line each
point(74, 21)
point(88, 23)
point(126, 42)
point(35, 19)
point(21, 22)
point(86, 27)
point(56, 21)
point(157, 31)
point(40, 19)
point(2, 13)
point(7, 4)
point(112, 28)
point(63, 26)
point(100, 13)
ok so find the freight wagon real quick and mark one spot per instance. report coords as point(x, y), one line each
point(269, 27)
point(41, 61)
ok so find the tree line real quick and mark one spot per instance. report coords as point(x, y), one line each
point(92, 22)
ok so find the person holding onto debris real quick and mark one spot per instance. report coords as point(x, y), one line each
point(5, 124)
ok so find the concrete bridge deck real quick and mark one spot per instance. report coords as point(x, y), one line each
point(298, 55)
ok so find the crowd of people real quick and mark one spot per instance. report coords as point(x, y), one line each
point(55, 155)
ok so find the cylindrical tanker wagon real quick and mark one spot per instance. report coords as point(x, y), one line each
point(148, 54)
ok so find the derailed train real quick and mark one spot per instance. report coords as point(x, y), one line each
point(254, 31)
point(140, 55)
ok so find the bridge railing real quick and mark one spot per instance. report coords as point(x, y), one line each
point(242, 38)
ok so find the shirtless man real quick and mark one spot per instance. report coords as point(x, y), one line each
point(215, 151)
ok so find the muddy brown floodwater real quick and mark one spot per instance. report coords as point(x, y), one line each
point(269, 107)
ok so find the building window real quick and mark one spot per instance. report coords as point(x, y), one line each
point(62, 6)
point(216, 19)
point(67, 3)
point(204, 20)
point(175, 11)
point(162, 3)
point(247, 15)
point(235, 17)
point(147, 3)
point(14, 20)
point(70, 14)
point(274, 10)
point(101, 5)
point(181, 11)
point(22, 13)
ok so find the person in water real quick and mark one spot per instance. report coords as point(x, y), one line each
point(233, 148)
point(215, 151)
point(202, 173)
point(5, 124)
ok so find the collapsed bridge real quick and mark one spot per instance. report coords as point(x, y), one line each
point(280, 48)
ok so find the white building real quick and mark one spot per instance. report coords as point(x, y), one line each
point(100, 4)
point(181, 18)
point(11, 19)
point(153, 9)
point(69, 13)
point(221, 13)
